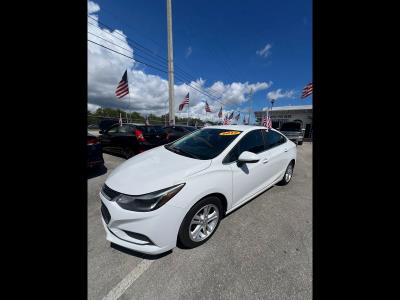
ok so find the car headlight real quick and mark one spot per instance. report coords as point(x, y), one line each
point(148, 202)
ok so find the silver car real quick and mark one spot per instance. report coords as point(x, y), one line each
point(293, 131)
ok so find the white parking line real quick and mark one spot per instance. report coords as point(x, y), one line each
point(125, 283)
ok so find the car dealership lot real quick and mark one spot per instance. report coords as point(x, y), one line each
point(263, 250)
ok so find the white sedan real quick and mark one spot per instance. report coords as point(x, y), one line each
point(178, 193)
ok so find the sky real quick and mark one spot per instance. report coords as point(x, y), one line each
point(223, 48)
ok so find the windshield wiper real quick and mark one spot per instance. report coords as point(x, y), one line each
point(179, 151)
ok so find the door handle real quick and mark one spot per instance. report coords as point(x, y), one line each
point(265, 160)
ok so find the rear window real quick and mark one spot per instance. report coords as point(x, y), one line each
point(150, 129)
point(291, 127)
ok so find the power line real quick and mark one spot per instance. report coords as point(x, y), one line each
point(151, 67)
point(136, 60)
point(141, 46)
point(136, 54)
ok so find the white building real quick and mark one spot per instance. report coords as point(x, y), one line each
point(282, 114)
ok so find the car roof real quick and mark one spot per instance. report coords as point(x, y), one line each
point(244, 128)
point(186, 126)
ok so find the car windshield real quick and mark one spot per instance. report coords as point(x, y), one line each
point(204, 144)
point(291, 127)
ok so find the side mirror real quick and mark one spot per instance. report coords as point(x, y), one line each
point(101, 131)
point(248, 157)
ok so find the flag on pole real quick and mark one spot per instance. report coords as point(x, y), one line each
point(122, 88)
point(120, 120)
point(226, 121)
point(266, 121)
point(220, 113)
point(231, 116)
point(207, 107)
point(237, 117)
point(185, 101)
point(307, 91)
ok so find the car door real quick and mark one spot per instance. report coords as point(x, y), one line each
point(124, 138)
point(276, 155)
point(247, 178)
point(108, 137)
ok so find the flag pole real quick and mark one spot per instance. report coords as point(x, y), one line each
point(187, 122)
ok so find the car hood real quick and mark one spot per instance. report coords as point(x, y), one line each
point(153, 170)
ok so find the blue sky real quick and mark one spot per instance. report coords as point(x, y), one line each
point(218, 41)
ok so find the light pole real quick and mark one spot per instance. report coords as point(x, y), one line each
point(272, 103)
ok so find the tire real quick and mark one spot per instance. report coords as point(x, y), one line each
point(198, 236)
point(128, 152)
point(300, 143)
point(286, 179)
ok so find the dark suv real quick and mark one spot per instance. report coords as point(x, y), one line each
point(292, 130)
point(130, 139)
point(178, 131)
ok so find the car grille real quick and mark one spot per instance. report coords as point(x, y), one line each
point(109, 193)
point(105, 213)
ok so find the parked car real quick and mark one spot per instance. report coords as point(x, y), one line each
point(292, 130)
point(178, 131)
point(107, 123)
point(131, 139)
point(180, 191)
point(95, 154)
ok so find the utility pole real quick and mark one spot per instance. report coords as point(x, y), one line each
point(251, 105)
point(171, 99)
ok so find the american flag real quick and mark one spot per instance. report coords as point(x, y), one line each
point(226, 121)
point(266, 121)
point(207, 107)
point(231, 116)
point(122, 88)
point(185, 101)
point(307, 91)
point(220, 113)
point(237, 117)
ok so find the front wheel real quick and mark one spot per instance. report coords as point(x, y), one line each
point(200, 222)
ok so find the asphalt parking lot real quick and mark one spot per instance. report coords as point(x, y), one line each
point(263, 250)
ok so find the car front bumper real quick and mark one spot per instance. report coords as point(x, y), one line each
point(160, 227)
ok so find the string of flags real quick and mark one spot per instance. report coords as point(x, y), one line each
point(122, 90)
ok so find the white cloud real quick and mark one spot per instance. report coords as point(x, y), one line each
point(264, 52)
point(93, 7)
point(188, 51)
point(279, 94)
point(92, 107)
point(149, 93)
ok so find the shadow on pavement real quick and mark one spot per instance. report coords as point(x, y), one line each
point(138, 254)
point(96, 171)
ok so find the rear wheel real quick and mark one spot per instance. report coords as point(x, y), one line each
point(200, 222)
point(128, 152)
point(288, 174)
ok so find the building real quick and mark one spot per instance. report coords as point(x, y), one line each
point(282, 114)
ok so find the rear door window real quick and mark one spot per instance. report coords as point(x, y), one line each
point(273, 139)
